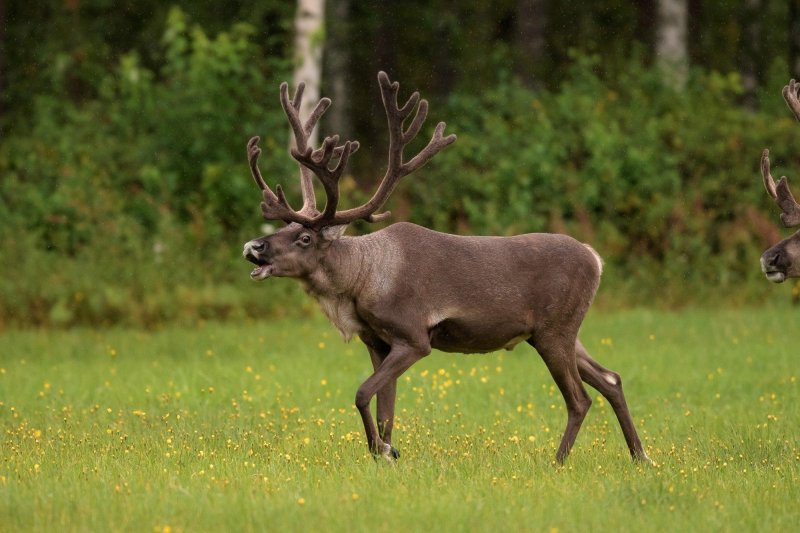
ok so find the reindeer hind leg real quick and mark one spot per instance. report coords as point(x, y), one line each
point(559, 356)
point(609, 384)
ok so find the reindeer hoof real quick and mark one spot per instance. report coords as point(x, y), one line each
point(641, 457)
point(387, 452)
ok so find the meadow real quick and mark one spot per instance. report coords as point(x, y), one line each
point(251, 427)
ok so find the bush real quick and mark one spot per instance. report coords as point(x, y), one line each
point(129, 208)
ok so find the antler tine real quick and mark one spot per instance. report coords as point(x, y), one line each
point(791, 93)
point(292, 112)
point(416, 122)
point(315, 115)
point(301, 130)
point(253, 153)
point(298, 95)
point(781, 194)
point(436, 143)
point(354, 146)
point(791, 209)
point(769, 183)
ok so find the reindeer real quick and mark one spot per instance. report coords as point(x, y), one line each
point(783, 260)
point(406, 289)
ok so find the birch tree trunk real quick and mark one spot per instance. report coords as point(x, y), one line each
point(309, 27)
point(672, 41)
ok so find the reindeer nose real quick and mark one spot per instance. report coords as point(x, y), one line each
point(253, 248)
point(772, 259)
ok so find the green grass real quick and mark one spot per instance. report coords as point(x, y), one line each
point(252, 427)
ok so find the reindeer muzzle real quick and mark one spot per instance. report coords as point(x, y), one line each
point(253, 252)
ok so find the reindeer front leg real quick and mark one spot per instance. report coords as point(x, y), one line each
point(378, 351)
point(383, 382)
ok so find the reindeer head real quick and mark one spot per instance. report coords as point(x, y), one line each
point(297, 249)
point(783, 260)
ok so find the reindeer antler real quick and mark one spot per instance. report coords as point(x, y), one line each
point(318, 161)
point(791, 93)
point(398, 139)
point(780, 193)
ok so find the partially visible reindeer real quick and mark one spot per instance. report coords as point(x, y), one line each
point(406, 289)
point(783, 260)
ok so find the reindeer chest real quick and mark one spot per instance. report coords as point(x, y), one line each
point(341, 311)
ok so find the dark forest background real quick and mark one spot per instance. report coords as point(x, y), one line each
point(125, 195)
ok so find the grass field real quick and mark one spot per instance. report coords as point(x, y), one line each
point(252, 427)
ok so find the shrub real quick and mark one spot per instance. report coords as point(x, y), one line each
point(128, 208)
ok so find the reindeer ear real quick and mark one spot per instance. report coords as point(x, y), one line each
point(331, 233)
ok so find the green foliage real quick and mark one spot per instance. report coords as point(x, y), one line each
point(112, 209)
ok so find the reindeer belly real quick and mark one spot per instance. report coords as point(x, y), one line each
point(465, 336)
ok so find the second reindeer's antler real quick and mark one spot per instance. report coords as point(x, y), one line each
point(791, 93)
point(780, 193)
point(318, 161)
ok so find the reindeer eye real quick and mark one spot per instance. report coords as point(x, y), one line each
point(305, 239)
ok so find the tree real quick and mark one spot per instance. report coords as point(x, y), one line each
point(309, 24)
point(671, 41)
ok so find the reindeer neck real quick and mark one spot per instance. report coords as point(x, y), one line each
point(343, 269)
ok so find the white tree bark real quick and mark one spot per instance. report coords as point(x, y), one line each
point(672, 41)
point(309, 27)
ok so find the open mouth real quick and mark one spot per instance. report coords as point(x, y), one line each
point(775, 276)
point(263, 270)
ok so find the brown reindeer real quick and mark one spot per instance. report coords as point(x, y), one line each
point(783, 260)
point(405, 289)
